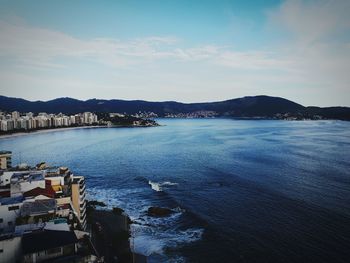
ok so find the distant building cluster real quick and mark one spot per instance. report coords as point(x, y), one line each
point(16, 121)
point(296, 117)
point(140, 114)
point(193, 115)
point(42, 214)
point(145, 114)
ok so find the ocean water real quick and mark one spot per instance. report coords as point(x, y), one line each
point(241, 190)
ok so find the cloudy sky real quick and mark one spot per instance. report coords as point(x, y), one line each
point(188, 51)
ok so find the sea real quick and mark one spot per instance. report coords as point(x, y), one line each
point(240, 190)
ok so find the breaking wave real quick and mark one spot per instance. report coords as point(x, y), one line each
point(150, 236)
point(158, 187)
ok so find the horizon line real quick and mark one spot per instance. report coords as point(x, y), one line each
point(162, 101)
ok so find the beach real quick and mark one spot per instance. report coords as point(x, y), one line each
point(17, 134)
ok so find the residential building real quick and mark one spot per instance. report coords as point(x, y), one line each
point(10, 248)
point(42, 215)
point(48, 244)
point(78, 199)
point(14, 121)
point(15, 115)
point(5, 159)
point(9, 211)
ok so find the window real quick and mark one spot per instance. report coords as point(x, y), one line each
point(10, 223)
point(1, 220)
point(1, 250)
point(15, 207)
point(53, 251)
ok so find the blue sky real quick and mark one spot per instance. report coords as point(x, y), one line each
point(188, 51)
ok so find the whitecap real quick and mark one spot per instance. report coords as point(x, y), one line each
point(169, 183)
point(155, 186)
point(149, 241)
point(158, 186)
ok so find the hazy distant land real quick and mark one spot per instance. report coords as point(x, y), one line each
point(246, 107)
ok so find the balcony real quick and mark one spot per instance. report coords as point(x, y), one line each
point(82, 190)
point(82, 183)
point(83, 206)
point(82, 197)
point(83, 217)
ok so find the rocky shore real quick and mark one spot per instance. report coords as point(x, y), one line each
point(110, 233)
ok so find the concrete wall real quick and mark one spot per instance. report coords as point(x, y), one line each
point(8, 216)
point(49, 254)
point(10, 250)
point(5, 178)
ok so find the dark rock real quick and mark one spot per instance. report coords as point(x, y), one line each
point(159, 211)
point(96, 203)
point(117, 211)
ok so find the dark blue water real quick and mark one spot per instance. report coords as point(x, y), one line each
point(242, 190)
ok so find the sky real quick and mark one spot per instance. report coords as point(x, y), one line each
point(187, 51)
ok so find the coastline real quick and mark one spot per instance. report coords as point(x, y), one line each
point(111, 233)
point(17, 134)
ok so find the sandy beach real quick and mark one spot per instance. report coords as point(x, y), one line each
point(16, 134)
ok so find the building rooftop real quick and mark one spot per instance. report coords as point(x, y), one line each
point(41, 206)
point(5, 152)
point(27, 176)
point(78, 179)
point(11, 200)
point(47, 239)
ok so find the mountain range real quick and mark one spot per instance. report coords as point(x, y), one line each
point(251, 106)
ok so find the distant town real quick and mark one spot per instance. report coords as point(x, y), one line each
point(28, 121)
point(16, 121)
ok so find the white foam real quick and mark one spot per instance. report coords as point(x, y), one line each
point(146, 245)
point(155, 186)
point(151, 235)
point(119, 198)
point(169, 183)
point(148, 241)
point(158, 186)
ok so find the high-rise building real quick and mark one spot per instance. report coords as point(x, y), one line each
point(78, 199)
point(5, 159)
point(15, 115)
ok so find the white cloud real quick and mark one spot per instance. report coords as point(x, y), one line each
point(310, 64)
point(41, 47)
point(32, 44)
point(316, 39)
point(312, 21)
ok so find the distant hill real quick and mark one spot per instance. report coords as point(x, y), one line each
point(253, 106)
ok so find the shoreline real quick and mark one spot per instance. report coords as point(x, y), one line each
point(111, 233)
point(18, 134)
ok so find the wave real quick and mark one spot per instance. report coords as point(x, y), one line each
point(158, 186)
point(151, 236)
point(149, 241)
point(169, 183)
point(155, 186)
